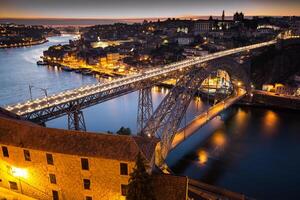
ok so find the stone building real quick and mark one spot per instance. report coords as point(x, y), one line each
point(55, 164)
point(46, 163)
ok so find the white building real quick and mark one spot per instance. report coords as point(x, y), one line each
point(185, 40)
point(202, 26)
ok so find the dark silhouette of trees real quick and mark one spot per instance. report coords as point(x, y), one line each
point(140, 183)
point(124, 131)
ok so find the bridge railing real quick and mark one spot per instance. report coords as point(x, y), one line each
point(81, 92)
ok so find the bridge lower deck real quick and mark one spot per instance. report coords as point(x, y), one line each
point(203, 118)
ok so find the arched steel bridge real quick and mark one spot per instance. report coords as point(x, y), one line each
point(71, 102)
point(165, 121)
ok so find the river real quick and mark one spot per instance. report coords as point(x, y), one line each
point(253, 151)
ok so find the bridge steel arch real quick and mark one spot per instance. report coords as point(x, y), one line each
point(236, 71)
point(166, 119)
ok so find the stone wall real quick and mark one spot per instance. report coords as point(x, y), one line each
point(276, 101)
point(104, 175)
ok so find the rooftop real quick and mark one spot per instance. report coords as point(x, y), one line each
point(170, 187)
point(24, 134)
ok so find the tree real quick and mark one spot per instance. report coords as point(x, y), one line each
point(124, 131)
point(140, 183)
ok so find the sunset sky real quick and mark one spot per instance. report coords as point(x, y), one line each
point(143, 8)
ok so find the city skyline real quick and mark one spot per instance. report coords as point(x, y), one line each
point(149, 99)
point(128, 9)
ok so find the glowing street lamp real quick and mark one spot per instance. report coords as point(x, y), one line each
point(19, 172)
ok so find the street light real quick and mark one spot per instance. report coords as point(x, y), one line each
point(43, 89)
point(30, 91)
point(19, 172)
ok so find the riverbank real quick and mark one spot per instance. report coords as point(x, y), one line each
point(85, 70)
point(32, 43)
point(259, 98)
point(271, 100)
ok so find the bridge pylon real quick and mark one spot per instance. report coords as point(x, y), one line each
point(145, 108)
point(76, 120)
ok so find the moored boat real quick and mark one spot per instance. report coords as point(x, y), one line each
point(40, 62)
point(87, 72)
point(66, 68)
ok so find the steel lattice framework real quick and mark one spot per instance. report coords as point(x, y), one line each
point(76, 121)
point(166, 119)
point(98, 96)
point(145, 108)
point(54, 106)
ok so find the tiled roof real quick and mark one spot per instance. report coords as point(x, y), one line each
point(170, 187)
point(27, 135)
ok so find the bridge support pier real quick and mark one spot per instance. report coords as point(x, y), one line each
point(42, 124)
point(76, 120)
point(145, 108)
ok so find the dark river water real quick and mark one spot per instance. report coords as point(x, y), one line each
point(254, 151)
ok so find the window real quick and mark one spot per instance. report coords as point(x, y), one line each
point(124, 189)
point(52, 178)
point(27, 155)
point(13, 185)
point(5, 151)
point(49, 158)
point(123, 168)
point(85, 163)
point(55, 195)
point(88, 198)
point(86, 184)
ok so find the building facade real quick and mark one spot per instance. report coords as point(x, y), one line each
point(44, 163)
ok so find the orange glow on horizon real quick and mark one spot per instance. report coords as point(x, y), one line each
point(275, 11)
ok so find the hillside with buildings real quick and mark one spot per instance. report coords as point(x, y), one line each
point(276, 66)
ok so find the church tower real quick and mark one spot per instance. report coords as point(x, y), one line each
point(223, 16)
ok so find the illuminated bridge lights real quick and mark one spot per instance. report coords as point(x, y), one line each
point(70, 95)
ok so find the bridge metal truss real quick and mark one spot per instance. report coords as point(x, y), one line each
point(101, 94)
point(76, 120)
point(46, 110)
point(165, 121)
point(58, 110)
point(145, 108)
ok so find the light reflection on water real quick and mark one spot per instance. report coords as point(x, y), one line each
point(238, 155)
point(218, 139)
point(202, 156)
point(270, 123)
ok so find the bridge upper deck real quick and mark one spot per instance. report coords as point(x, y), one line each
point(58, 101)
